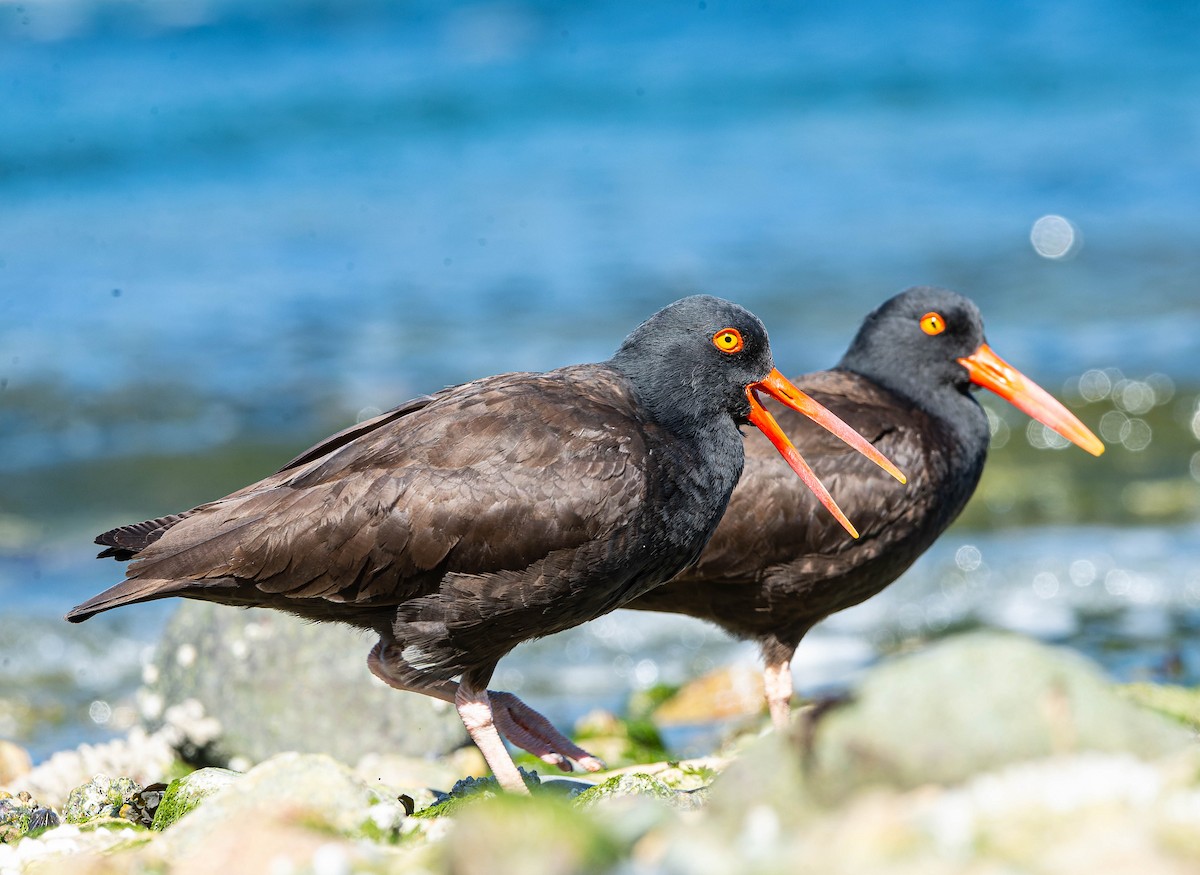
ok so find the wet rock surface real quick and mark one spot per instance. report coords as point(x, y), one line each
point(276, 683)
point(1092, 782)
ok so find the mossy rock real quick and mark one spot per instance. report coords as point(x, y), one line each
point(637, 785)
point(184, 794)
point(470, 790)
point(975, 703)
point(1179, 703)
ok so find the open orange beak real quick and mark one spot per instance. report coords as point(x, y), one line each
point(781, 389)
point(992, 372)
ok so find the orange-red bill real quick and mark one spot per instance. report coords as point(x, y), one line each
point(778, 387)
point(992, 372)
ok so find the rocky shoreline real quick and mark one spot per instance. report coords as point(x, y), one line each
point(982, 753)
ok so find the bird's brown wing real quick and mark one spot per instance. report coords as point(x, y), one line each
point(125, 542)
point(487, 477)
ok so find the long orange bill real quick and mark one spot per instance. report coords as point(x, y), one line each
point(992, 372)
point(777, 386)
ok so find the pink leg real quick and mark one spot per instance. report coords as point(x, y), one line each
point(777, 680)
point(515, 720)
point(530, 731)
point(476, 712)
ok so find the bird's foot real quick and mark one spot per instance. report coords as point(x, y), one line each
point(532, 732)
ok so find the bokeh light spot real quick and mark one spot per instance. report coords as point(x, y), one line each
point(968, 557)
point(1112, 426)
point(1045, 585)
point(1136, 435)
point(100, 712)
point(1082, 572)
point(1055, 237)
point(1134, 396)
point(1043, 438)
point(1094, 385)
point(998, 428)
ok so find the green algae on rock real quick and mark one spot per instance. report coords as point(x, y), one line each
point(184, 794)
point(473, 789)
point(1181, 704)
point(633, 784)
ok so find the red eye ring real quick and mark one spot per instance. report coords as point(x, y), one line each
point(933, 323)
point(728, 340)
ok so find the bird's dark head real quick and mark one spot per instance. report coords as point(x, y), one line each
point(693, 359)
point(697, 366)
point(928, 345)
point(912, 342)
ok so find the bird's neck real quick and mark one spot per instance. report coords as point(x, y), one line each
point(952, 406)
point(668, 397)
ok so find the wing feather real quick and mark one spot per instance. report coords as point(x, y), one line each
point(484, 478)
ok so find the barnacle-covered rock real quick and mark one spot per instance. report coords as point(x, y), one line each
point(102, 797)
point(22, 815)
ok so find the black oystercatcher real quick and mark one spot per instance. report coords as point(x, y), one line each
point(462, 523)
point(775, 567)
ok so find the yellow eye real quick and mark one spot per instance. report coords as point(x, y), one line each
point(933, 323)
point(728, 340)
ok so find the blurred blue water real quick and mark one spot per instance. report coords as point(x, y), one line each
point(262, 206)
point(318, 192)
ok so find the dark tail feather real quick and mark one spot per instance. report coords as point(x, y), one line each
point(125, 542)
point(129, 592)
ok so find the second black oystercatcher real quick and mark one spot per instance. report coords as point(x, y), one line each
point(775, 567)
point(463, 523)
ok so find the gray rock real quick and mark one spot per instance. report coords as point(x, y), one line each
point(1088, 812)
point(973, 703)
point(307, 789)
point(276, 683)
